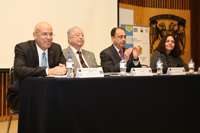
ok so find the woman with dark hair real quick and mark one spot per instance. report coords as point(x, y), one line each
point(169, 51)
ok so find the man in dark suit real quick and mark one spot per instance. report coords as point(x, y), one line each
point(110, 57)
point(28, 60)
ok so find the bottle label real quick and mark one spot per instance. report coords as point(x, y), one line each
point(191, 65)
point(159, 65)
point(70, 65)
point(122, 65)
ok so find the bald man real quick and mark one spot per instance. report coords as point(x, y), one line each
point(28, 60)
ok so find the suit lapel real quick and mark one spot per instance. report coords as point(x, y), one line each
point(50, 57)
point(87, 58)
point(115, 53)
point(34, 52)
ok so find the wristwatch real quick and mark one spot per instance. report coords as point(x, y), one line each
point(136, 59)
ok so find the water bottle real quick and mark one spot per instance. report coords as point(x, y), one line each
point(123, 67)
point(191, 66)
point(159, 67)
point(70, 67)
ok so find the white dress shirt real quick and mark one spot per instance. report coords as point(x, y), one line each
point(40, 51)
point(77, 56)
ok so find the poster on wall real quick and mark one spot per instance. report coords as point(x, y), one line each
point(125, 16)
point(138, 36)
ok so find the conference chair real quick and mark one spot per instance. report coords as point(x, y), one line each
point(12, 112)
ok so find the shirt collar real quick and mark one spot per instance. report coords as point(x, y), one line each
point(117, 48)
point(74, 50)
point(40, 51)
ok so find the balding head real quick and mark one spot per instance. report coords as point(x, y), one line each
point(40, 25)
point(43, 35)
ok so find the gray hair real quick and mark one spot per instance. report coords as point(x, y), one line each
point(71, 31)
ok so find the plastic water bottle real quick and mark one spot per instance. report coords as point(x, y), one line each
point(159, 67)
point(191, 66)
point(70, 67)
point(123, 67)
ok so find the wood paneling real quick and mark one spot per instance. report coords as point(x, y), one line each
point(191, 5)
point(4, 83)
point(142, 16)
point(195, 31)
point(167, 4)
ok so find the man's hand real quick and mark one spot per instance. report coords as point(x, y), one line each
point(136, 52)
point(127, 53)
point(61, 65)
point(58, 70)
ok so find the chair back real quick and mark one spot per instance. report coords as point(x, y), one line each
point(11, 75)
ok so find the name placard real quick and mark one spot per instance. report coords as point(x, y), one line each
point(89, 72)
point(141, 72)
point(176, 71)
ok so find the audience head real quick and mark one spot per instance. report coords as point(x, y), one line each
point(169, 44)
point(118, 36)
point(43, 35)
point(75, 37)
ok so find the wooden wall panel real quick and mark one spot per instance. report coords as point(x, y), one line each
point(3, 90)
point(4, 110)
point(142, 15)
point(167, 4)
point(195, 31)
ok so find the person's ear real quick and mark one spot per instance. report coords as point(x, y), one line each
point(34, 35)
point(69, 39)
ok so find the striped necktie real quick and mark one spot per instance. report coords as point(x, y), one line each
point(81, 60)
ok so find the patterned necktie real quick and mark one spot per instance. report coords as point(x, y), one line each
point(44, 60)
point(81, 60)
point(120, 51)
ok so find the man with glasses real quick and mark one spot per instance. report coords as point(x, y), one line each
point(82, 58)
point(34, 58)
point(111, 56)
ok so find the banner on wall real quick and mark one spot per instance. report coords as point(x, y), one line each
point(138, 36)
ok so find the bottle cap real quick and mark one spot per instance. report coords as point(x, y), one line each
point(69, 56)
point(191, 59)
point(159, 58)
point(123, 58)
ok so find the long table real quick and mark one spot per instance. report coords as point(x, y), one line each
point(156, 104)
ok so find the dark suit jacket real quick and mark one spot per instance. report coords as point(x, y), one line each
point(26, 64)
point(110, 60)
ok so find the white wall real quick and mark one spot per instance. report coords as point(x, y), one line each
point(19, 17)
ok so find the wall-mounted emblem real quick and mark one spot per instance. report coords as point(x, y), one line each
point(165, 24)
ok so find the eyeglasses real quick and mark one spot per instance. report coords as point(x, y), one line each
point(45, 34)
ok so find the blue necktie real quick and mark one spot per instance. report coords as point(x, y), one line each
point(44, 60)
